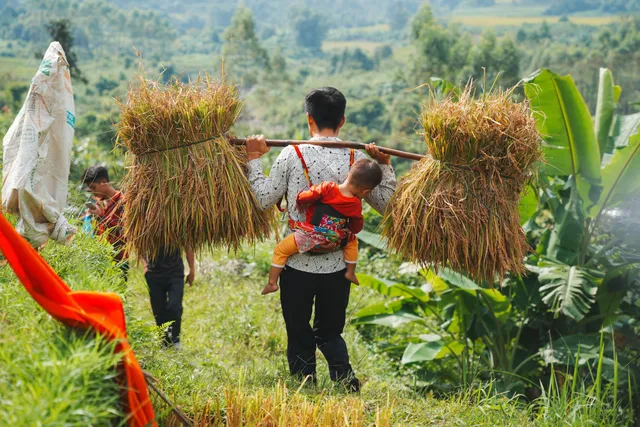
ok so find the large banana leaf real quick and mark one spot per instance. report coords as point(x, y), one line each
point(528, 204)
point(569, 290)
point(614, 286)
point(621, 176)
point(565, 349)
point(393, 289)
point(565, 123)
point(429, 349)
point(392, 314)
point(373, 239)
point(608, 95)
point(565, 239)
point(624, 128)
point(457, 282)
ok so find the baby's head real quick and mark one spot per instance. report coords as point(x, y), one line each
point(364, 176)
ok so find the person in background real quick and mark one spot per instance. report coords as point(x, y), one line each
point(165, 277)
point(108, 210)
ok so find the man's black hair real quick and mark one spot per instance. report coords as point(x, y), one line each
point(326, 106)
point(95, 173)
point(365, 173)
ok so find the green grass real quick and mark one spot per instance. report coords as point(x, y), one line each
point(234, 354)
point(507, 14)
point(232, 369)
point(18, 69)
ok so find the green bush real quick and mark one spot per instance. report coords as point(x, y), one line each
point(51, 374)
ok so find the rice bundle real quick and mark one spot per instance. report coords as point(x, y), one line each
point(185, 186)
point(459, 206)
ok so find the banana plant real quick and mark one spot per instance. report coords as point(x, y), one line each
point(599, 161)
point(564, 122)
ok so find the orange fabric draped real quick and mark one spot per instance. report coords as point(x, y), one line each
point(101, 311)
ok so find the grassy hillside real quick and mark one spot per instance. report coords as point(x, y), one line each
point(50, 375)
point(232, 369)
point(233, 358)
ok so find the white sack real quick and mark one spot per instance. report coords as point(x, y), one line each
point(37, 151)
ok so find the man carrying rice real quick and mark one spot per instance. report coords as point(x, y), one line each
point(309, 277)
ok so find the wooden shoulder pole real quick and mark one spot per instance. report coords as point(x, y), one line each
point(335, 144)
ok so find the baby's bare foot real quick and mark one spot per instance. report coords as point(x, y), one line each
point(270, 288)
point(352, 278)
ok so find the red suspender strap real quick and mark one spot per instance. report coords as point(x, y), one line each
point(304, 164)
point(352, 155)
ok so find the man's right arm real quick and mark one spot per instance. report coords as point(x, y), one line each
point(269, 189)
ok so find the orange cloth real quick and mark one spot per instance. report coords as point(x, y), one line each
point(287, 247)
point(101, 311)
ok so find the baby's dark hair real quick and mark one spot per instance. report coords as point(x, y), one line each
point(365, 174)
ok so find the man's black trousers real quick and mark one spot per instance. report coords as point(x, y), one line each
point(166, 294)
point(330, 292)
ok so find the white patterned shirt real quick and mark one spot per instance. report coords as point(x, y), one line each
point(287, 178)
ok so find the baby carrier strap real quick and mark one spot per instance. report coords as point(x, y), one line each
point(304, 164)
point(305, 168)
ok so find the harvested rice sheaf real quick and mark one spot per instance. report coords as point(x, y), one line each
point(459, 206)
point(185, 186)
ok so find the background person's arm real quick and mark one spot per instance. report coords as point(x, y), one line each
point(192, 267)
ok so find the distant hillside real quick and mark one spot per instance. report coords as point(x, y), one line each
point(343, 13)
point(567, 7)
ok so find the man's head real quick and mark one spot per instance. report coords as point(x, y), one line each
point(96, 179)
point(364, 176)
point(325, 109)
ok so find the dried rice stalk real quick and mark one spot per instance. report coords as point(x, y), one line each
point(460, 207)
point(181, 190)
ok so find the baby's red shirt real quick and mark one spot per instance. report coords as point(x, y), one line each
point(328, 193)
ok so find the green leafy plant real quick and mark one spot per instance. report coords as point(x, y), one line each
point(598, 170)
point(580, 275)
point(569, 290)
point(457, 319)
